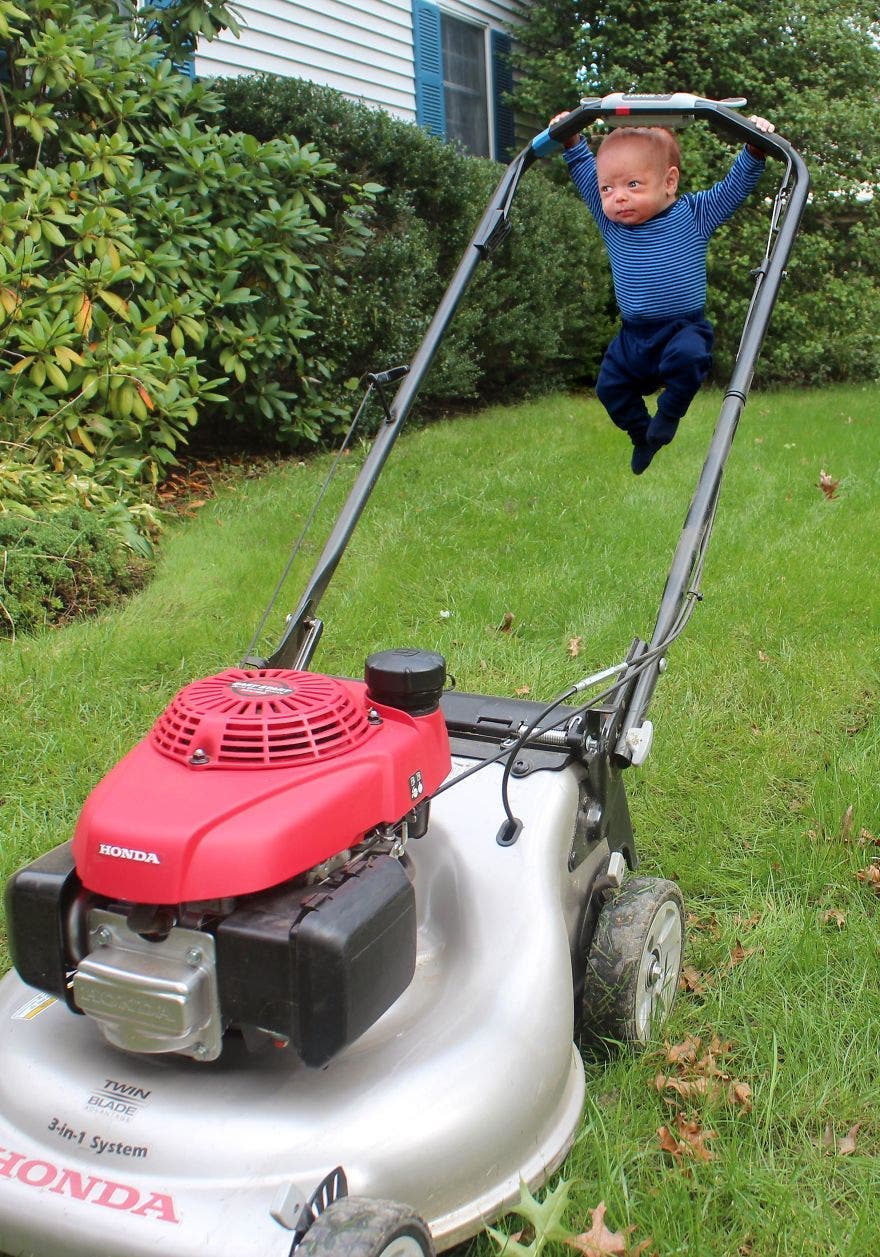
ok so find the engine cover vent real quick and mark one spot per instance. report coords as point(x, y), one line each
point(265, 718)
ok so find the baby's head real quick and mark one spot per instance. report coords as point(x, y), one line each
point(637, 169)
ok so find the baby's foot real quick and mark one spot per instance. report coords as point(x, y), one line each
point(661, 430)
point(642, 457)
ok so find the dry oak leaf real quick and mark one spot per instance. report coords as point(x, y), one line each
point(739, 953)
point(687, 1088)
point(827, 484)
point(692, 980)
point(720, 1047)
point(740, 1093)
point(600, 1242)
point(684, 1053)
point(703, 925)
point(689, 1139)
point(834, 916)
point(870, 876)
point(847, 1145)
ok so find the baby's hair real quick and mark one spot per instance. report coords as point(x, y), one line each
point(661, 139)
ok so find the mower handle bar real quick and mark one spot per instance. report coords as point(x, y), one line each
point(303, 629)
point(676, 109)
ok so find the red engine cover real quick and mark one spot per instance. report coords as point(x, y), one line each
point(179, 820)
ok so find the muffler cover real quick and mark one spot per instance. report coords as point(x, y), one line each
point(151, 995)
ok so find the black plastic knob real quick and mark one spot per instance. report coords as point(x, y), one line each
point(410, 679)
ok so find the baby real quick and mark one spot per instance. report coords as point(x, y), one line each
point(657, 244)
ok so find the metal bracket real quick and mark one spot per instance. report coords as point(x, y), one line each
point(330, 1189)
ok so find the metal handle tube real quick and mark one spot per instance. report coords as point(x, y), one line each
point(700, 517)
point(298, 642)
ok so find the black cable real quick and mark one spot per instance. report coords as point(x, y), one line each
point(628, 672)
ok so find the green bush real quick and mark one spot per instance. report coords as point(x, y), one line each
point(154, 269)
point(59, 566)
point(537, 315)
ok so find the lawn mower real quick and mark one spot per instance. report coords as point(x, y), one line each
point(312, 974)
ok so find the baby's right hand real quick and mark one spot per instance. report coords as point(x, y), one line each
point(572, 139)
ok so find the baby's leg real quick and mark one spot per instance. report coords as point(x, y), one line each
point(621, 392)
point(684, 364)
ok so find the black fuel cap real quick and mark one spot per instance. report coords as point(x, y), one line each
point(408, 678)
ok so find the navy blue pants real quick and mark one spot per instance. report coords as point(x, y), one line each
point(646, 355)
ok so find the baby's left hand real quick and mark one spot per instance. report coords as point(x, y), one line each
point(763, 125)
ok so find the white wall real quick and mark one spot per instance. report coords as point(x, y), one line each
point(360, 47)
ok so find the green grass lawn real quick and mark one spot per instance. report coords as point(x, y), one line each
point(761, 796)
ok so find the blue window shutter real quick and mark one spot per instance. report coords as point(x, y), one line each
point(187, 67)
point(428, 57)
point(502, 84)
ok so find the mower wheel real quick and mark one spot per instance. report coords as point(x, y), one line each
point(356, 1226)
point(634, 962)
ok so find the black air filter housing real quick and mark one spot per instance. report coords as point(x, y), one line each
point(44, 919)
point(319, 965)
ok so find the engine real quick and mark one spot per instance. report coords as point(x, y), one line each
point(244, 866)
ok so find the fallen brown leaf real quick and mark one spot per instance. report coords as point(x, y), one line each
point(748, 923)
point(599, 1241)
point(740, 1093)
point(689, 1139)
point(684, 1052)
point(870, 876)
point(739, 953)
point(688, 1088)
point(574, 647)
point(827, 484)
point(522, 690)
point(703, 925)
point(692, 980)
point(720, 1047)
point(668, 1142)
point(506, 623)
point(844, 1147)
point(834, 916)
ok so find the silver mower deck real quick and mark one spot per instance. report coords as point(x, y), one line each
point(469, 1083)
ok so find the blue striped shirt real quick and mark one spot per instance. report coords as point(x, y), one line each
point(659, 267)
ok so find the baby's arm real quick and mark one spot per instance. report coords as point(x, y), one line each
point(714, 206)
point(582, 168)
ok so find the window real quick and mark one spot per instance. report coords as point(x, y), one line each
point(464, 84)
point(459, 88)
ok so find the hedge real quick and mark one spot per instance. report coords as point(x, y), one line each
point(537, 315)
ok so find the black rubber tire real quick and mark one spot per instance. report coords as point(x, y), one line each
point(357, 1226)
point(640, 933)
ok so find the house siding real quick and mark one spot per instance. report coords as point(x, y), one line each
point(363, 48)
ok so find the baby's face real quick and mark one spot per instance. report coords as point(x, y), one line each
point(634, 183)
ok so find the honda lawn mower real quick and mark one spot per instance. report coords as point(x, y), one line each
point(312, 974)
